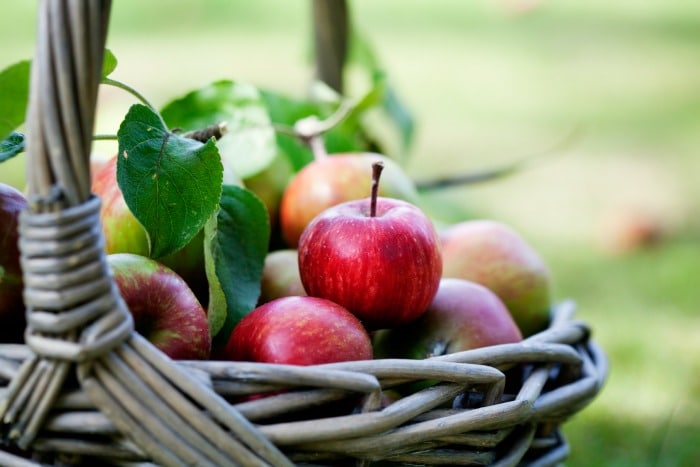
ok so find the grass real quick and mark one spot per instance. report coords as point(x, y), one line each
point(642, 310)
point(488, 86)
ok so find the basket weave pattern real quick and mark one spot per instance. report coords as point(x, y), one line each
point(85, 388)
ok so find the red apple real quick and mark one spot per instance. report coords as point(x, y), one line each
point(496, 256)
point(299, 331)
point(12, 319)
point(463, 315)
point(124, 234)
point(280, 276)
point(332, 180)
point(97, 163)
point(377, 257)
point(165, 310)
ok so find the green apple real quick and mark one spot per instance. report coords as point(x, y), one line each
point(280, 276)
point(270, 183)
point(495, 255)
point(334, 179)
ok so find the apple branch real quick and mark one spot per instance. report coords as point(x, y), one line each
point(216, 131)
point(310, 129)
point(507, 169)
point(377, 168)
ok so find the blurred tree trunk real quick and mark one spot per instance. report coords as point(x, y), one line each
point(331, 26)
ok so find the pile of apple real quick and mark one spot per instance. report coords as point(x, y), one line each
point(413, 292)
point(362, 273)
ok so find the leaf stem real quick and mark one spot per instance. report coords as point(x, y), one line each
point(104, 137)
point(135, 93)
point(318, 147)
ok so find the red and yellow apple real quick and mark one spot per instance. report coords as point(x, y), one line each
point(332, 180)
point(124, 234)
point(495, 255)
point(165, 310)
point(463, 315)
point(377, 257)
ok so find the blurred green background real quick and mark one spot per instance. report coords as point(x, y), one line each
point(614, 212)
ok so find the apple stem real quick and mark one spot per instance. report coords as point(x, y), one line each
point(310, 130)
point(377, 168)
point(216, 131)
point(318, 148)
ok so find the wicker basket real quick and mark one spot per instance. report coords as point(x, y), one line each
point(86, 389)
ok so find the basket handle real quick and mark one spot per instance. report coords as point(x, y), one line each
point(77, 321)
point(65, 77)
point(331, 32)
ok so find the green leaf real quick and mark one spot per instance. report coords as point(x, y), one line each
point(14, 95)
point(286, 111)
point(350, 134)
point(397, 112)
point(363, 54)
point(217, 307)
point(249, 144)
point(236, 242)
point(171, 184)
point(109, 63)
point(11, 146)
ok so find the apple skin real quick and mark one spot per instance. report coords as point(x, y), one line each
point(463, 315)
point(166, 312)
point(12, 318)
point(269, 185)
point(335, 179)
point(299, 331)
point(384, 269)
point(280, 276)
point(493, 254)
point(124, 234)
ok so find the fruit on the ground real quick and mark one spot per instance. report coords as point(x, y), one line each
point(12, 319)
point(299, 331)
point(377, 257)
point(332, 180)
point(280, 276)
point(124, 234)
point(165, 310)
point(463, 315)
point(495, 255)
point(629, 230)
